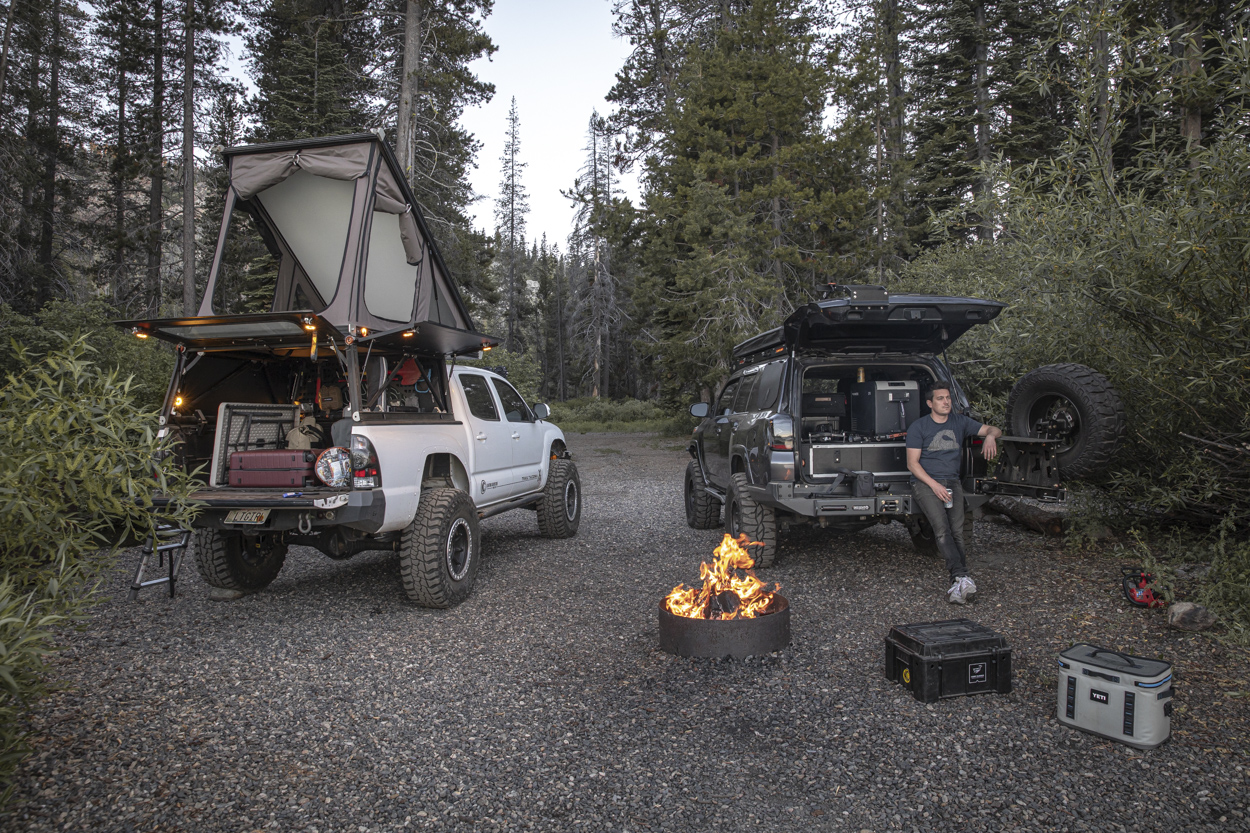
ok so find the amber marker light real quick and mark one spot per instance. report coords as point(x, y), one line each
point(486, 348)
point(177, 401)
point(364, 331)
point(309, 325)
point(408, 334)
point(139, 333)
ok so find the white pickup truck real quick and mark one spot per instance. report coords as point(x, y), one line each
point(338, 417)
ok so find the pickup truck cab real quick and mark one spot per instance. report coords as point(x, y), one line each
point(339, 417)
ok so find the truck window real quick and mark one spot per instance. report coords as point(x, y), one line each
point(477, 394)
point(742, 399)
point(768, 387)
point(725, 402)
point(514, 407)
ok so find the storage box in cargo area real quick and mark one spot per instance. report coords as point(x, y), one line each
point(952, 658)
point(280, 468)
point(1118, 696)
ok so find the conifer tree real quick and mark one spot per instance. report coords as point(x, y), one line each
point(511, 208)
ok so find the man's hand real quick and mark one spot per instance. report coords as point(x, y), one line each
point(989, 449)
point(943, 494)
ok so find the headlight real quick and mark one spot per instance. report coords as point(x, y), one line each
point(334, 467)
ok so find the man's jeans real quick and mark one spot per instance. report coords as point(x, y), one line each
point(948, 524)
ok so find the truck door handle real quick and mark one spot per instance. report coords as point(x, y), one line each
point(733, 425)
point(481, 438)
point(516, 436)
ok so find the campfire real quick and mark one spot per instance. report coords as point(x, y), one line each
point(727, 593)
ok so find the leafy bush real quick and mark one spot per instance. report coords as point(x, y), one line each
point(521, 369)
point(1139, 271)
point(150, 365)
point(595, 415)
point(79, 464)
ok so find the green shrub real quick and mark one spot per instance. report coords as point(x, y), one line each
point(614, 415)
point(521, 369)
point(79, 464)
point(149, 365)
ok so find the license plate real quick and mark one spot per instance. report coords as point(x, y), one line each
point(247, 516)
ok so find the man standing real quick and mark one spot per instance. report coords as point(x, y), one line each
point(934, 444)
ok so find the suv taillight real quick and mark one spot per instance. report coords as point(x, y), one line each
point(781, 433)
point(366, 473)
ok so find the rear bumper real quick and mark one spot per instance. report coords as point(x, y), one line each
point(363, 509)
point(815, 501)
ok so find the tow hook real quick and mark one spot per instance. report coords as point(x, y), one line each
point(305, 523)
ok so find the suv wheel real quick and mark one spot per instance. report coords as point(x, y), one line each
point(560, 510)
point(743, 516)
point(440, 549)
point(1087, 414)
point(702, 510)
point(234, 561)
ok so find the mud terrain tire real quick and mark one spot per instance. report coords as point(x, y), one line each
point(440, 550)
point(743, 516)
point(560, 510)
point(702, 510)
point(232, 561)
point(1083, 402)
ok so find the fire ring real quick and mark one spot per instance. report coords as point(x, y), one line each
point(736, 638)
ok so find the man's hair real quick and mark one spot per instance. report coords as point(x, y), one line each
point(937, 386)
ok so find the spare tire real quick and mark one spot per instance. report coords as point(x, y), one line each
point(1084, 412)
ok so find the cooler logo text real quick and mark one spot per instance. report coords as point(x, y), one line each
point(1098, 696)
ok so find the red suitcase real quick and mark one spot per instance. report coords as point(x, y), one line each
point(272, 468)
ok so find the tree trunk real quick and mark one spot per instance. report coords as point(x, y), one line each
point(1049, 524)
point(1102, 64)
point(157, 185)
point(985, 229)
point(4, 51)
point(188, 162)
point(1191, 69)
point(408, 87)
point(53, 143)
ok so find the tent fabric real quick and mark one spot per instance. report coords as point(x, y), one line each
point(251, 173)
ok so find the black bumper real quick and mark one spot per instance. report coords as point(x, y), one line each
point(364, 509)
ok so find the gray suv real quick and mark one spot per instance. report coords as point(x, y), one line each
point(810, 428)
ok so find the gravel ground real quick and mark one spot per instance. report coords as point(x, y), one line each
point(329, 702)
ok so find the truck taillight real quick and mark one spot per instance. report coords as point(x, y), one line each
point(781, 433)
point(366, 473)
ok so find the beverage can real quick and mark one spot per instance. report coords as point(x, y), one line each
point(950, 504)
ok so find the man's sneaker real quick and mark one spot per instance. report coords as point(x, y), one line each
point(970, 588)
point(956, 594)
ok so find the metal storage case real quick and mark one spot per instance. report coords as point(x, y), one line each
point(1115, 695)
point(948, 659)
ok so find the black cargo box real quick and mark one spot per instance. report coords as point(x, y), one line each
point(948, 659)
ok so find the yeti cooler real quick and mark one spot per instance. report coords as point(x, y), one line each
point(1118, 696)
point(948, 659)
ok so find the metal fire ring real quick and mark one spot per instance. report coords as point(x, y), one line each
point(736, 638)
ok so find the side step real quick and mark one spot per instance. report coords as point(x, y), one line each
point(171, 540)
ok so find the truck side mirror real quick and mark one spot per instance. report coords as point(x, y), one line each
point(542, 411)
point(700, 410)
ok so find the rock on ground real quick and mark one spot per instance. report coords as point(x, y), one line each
point(330, 703)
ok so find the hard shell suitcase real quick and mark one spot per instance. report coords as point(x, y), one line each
point(282, 468)
point(948, 659)
point(1115, 695)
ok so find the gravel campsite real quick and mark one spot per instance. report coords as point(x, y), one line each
point(329, 702)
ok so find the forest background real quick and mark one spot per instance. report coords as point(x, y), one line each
point(1085, 162)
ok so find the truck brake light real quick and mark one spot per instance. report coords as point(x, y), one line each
point(781, 433)
point(366, 471)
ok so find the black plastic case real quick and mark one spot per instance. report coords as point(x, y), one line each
point(952, 658)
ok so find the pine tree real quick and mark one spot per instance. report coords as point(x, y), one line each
point(511, 208)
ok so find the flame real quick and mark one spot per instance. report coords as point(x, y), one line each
point(720, 577)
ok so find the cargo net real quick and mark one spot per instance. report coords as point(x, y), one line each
point(244, 427)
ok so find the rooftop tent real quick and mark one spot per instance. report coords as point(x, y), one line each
point(344, 228)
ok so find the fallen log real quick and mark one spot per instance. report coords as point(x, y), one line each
point(1049, 524)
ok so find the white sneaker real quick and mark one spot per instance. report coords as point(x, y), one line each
point(956, 594)
point(970, 588)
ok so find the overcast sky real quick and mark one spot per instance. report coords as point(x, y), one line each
point(559, 59)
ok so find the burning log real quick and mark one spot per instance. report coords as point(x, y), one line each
point(725, 593)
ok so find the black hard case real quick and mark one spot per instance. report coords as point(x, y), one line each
point(948, 659)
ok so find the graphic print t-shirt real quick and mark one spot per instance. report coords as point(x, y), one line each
point(940, 442)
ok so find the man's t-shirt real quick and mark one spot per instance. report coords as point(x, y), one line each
point(940, 443)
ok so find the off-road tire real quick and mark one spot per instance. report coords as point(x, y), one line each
point(1085, 399)
point(743, 516)
point(440, 550)
point(702, 509)
point(560, 510)
point(923, 539)
point(232, 561)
